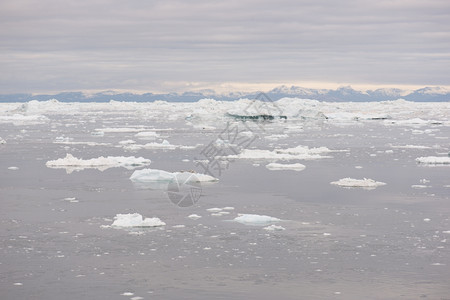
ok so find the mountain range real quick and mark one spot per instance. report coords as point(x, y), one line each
point(342, 94)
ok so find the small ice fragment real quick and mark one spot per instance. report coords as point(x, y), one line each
point(293, 167)
point(153, 175)
point(18, 283)
point(135, 220)
point(127, 142)
point(194, 217)
point(127, 294)
point(228, 208)
point(326, 234)
point(252, 219)
point(419, 186)
point(358, 167)
point(274, 227)
point(214, 209)
point(178, 226)
point(434, 160)
point(363, 183)
point(136, 298)
point(2, 141)
point(13, 168)
point(426, 220)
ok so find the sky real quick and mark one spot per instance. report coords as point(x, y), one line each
point(174, 46)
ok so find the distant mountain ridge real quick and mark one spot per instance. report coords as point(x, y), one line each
point(342, 94)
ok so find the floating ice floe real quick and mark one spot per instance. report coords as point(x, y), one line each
point(361, 183)
point(127, 142)
point(434, 160)
point(293, 167)
point(135, 220)
point(2, 141)
point(147, 135)
point(194, 217)
point(152, 175)
point(257, 220)
point(13, 168)
point(18, 119)
point(71, 163)
point(415, 122)
point(154, 145)
point(275, 137)
point(296, 153)
point(411, 147)
point(120, 129)
point(274, 227)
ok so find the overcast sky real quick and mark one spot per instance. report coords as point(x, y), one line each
point(145, 45)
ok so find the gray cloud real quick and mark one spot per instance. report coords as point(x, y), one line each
point(99, 44)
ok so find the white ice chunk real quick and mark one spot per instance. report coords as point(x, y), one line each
point(252, 219)
point(214, 209)
point(194, 217)
point(154, 145)
point(274, 227)
point(136, 220)
point(71, 163)
point(299, 152)
point(294, 167)
point(121, 129)
point(13, 168)
point(127, 142)
point(434, 160)
point(363, 183)
point(152, 175)
point(147, 135)
point(2, 141)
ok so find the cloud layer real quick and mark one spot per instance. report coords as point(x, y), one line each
point(52, 45)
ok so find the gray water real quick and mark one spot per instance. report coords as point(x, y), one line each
point(386, 243)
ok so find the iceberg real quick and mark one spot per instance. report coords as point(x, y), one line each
point(294, 167)
point(256, 220)
point(71, 163)
point(135, 220)
point(434, 160)
point(361, 183)
point(155, 175)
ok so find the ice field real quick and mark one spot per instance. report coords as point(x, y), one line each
point(292, 199)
